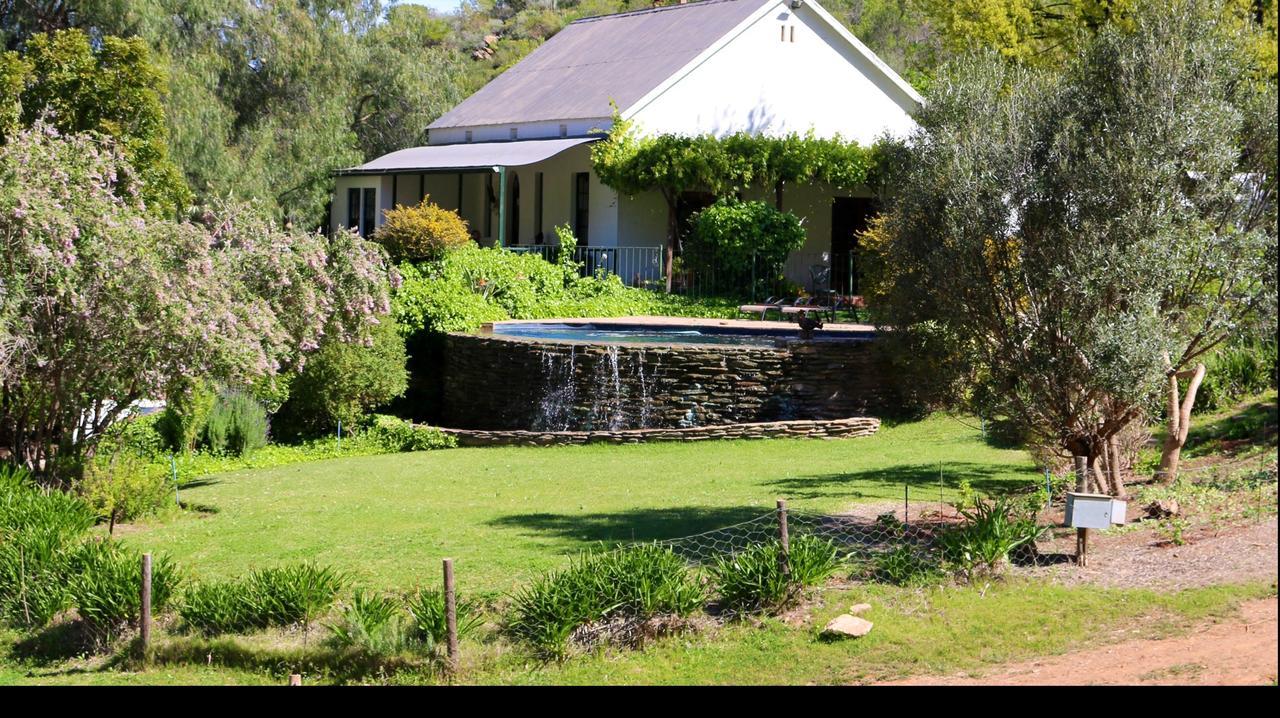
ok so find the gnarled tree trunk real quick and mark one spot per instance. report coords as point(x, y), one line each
point(1179, 420)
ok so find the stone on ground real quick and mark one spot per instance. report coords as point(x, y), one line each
point(846, 626)
point(858, 608)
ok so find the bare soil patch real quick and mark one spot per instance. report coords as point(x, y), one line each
point(1142, 558)
point(1239, 651)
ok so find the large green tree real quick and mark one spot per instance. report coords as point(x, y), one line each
point(110, 87)
point(1077, 242)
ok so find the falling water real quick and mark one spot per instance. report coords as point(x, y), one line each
point(619, 391)
point(560, 391)
point(606, 399)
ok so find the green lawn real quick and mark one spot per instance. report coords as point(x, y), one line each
point(506, 513)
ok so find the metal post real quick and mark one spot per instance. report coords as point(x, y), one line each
point(906, 504)
point(339, 434)
point(1082, 534)
point(502, 206)
point(173, 467)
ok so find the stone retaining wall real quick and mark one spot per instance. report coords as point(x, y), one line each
point(493, 382)
point(832, 429)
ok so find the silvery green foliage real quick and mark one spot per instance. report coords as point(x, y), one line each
point(1078, 235)
point(102, 305)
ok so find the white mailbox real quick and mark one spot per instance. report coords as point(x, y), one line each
point(1093, 511)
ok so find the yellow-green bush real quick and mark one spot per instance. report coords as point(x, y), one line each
point(423, 232)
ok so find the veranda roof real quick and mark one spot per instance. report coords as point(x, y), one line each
point(466, 157)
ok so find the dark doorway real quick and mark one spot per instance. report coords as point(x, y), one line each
point(513, 234)
point(688, 206)
point(849, 218)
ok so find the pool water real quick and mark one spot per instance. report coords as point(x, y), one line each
point(646, 334)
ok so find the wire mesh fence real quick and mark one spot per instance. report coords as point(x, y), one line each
point(909, 542)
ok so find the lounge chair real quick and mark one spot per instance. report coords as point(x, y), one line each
point(772, 304)
point(806, 306)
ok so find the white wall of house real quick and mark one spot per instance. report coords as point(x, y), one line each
point(789, 71)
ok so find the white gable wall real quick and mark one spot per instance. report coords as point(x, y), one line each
point(760, 81)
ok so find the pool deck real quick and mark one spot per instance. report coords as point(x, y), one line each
point(751, 324)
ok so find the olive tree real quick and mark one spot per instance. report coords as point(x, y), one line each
point(102, 305)
point(1076, 241)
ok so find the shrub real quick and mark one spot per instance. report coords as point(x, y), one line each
point(427, 611)
point(372, 624)
point(126, 486)
point(423, 232)
point(733, 237)
point(106, 587)
point(39, 531)
point(280, 596)
point(991, 531)
point(342, 382)
point(237, 425)
point(214, 608)
point(396, 434)
point(1238, 370)
point(184, 417)
point(753, 579)
point(633, 583)
point(294, 594)
point(472, 286)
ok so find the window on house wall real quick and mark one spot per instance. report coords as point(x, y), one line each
point(581, 206)
point(564, 130)
point(515, 209)
point(353, 208)
point(488, 205)
point(368, 209)
point(537, 208)
point(468, 137)
point(514, 133)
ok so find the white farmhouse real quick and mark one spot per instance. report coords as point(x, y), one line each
point(513, 158)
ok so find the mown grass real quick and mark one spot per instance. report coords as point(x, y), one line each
point(935, 631)
point(506, 514)
point(930, 631)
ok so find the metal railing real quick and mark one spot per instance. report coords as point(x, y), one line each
point(812, 272)
point(635, 266)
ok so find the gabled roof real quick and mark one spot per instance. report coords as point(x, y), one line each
point(622, 57)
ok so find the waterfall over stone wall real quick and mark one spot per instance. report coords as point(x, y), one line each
point(496, 382)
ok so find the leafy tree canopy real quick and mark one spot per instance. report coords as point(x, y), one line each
point(112, 88)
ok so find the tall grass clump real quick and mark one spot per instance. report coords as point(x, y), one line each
point(39, 531)
point(631, 584)
point(992, 530)
point(754, 580)
point(372, 624)
point(427, 613)
point(280, 596)
point(106, 587)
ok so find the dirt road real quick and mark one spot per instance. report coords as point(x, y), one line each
point(1241, 651)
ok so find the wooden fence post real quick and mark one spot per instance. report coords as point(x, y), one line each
point(451, 615)
point(1082, 535)
point(144, 621)
point(784, 537)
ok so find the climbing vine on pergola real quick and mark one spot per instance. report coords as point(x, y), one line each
point(670, 164)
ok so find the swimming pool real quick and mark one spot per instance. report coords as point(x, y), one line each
point(626, 333)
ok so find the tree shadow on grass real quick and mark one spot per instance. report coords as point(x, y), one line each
point(636, 525)
point(888, 482)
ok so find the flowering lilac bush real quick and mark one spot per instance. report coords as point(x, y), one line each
point(102, 305)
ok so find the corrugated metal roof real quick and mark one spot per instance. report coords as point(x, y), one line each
point(481, 155)
point(580, 69)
